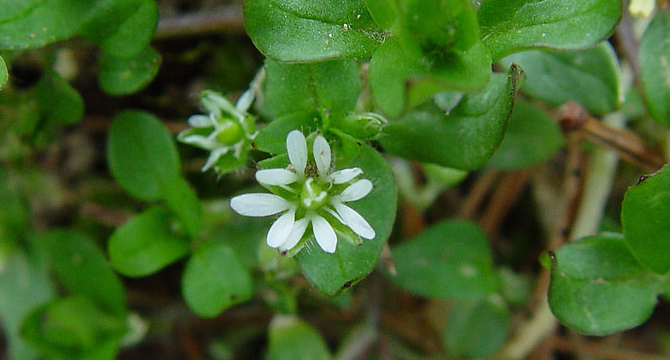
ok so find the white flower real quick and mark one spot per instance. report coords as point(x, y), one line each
point(308, 195)
point(226, 131)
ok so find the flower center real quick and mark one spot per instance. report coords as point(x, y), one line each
point(312, 195)
point(230, 132)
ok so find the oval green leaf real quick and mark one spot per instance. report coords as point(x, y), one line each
point(476, 126)
point(477, 329)
point(297, 30)
point(58, 101)
point(449, 260)
point(4, 76)
point(645, 216)
point(291, 338)
point(334, 273)
point(655, 67)
point(598, 288)
point(589, 77)
point(141, 154)
point(145, 244)
point(531, 138)
point(122, 76)
point(510, 26)
point(214, 280)
point(184, 203)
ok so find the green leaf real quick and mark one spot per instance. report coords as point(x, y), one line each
point(383, 12)
point(476, 125)
point(589, 77)
point(477, 329)
point(122, 76)
point(334, 273)
point(449, 260)
point(38, 23)
point(30, 287)
point(272, 138)
point(508, 26)
point(83, 270)
point(59, 103)
point(645, 216)
point(141, 154)
point(145, 244)
point(4, 76)
point(184, 203)
point(436, 48)
point(296, 30)
point(655, 67)
point(214, 280)
point(122, 28)
point(72, 328)
point(531, 138)
point(292, 339)
point(328, 85)
point(598, 288)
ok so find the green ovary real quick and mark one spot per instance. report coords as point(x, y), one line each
point(229, 133)
point(312, 196)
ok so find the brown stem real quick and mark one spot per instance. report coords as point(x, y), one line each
point(219, 19)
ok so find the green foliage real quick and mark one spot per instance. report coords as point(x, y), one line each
point(121, 76)
point(654, 67)
point(598, 288)
point(645, 216)
point(477, 124)
point(531, 138)
point(476, 329)
point(451, 259)
point(184, 203)
point(59, 103)
point(292, 339)
point(3, 73)
point(590, 77)
point(295, 30)
point(513, 25)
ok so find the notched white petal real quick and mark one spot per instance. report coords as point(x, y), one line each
point(355, 221)
point(344, 175)
point(296, 146)
point(322, 155)
point(259, 205)
point(296, 234)
point(281, 229)
point(276, 177)
point(356, 191)
point(200, 121)
point(324, 234)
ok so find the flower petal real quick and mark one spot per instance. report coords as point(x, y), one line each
point(276, 177)
point(245, 100)
point(259, 205)
point(355, 221)
point(296, 146)
point(200, 121)
point(296, 234)
point(281, 229)
point(324, 234)
point(344, 175)
point(356, 191)
point(322, 155)
point(214, 157)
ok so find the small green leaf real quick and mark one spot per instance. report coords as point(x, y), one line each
point(476, 329)
point(476, 126)
point(645, 216)
point(82, 268)
point(655, 67)
point(122, 28)
point(30, 287)
point(292, 339)
point(449, 260)
point(589, 77)
point(145, 244)
point(510, 26)
point(59, 103)
point(598, 288)
point(214, 280)
point(296, 30)
point(383, 12)
point(38, 23)
point(122, 76)
point(71, 328)
point(4, 76)
point(334, 273)
point(141, 154)
point(184, 203)
point(272, 138)
point(531, 138)
point(328, 85)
